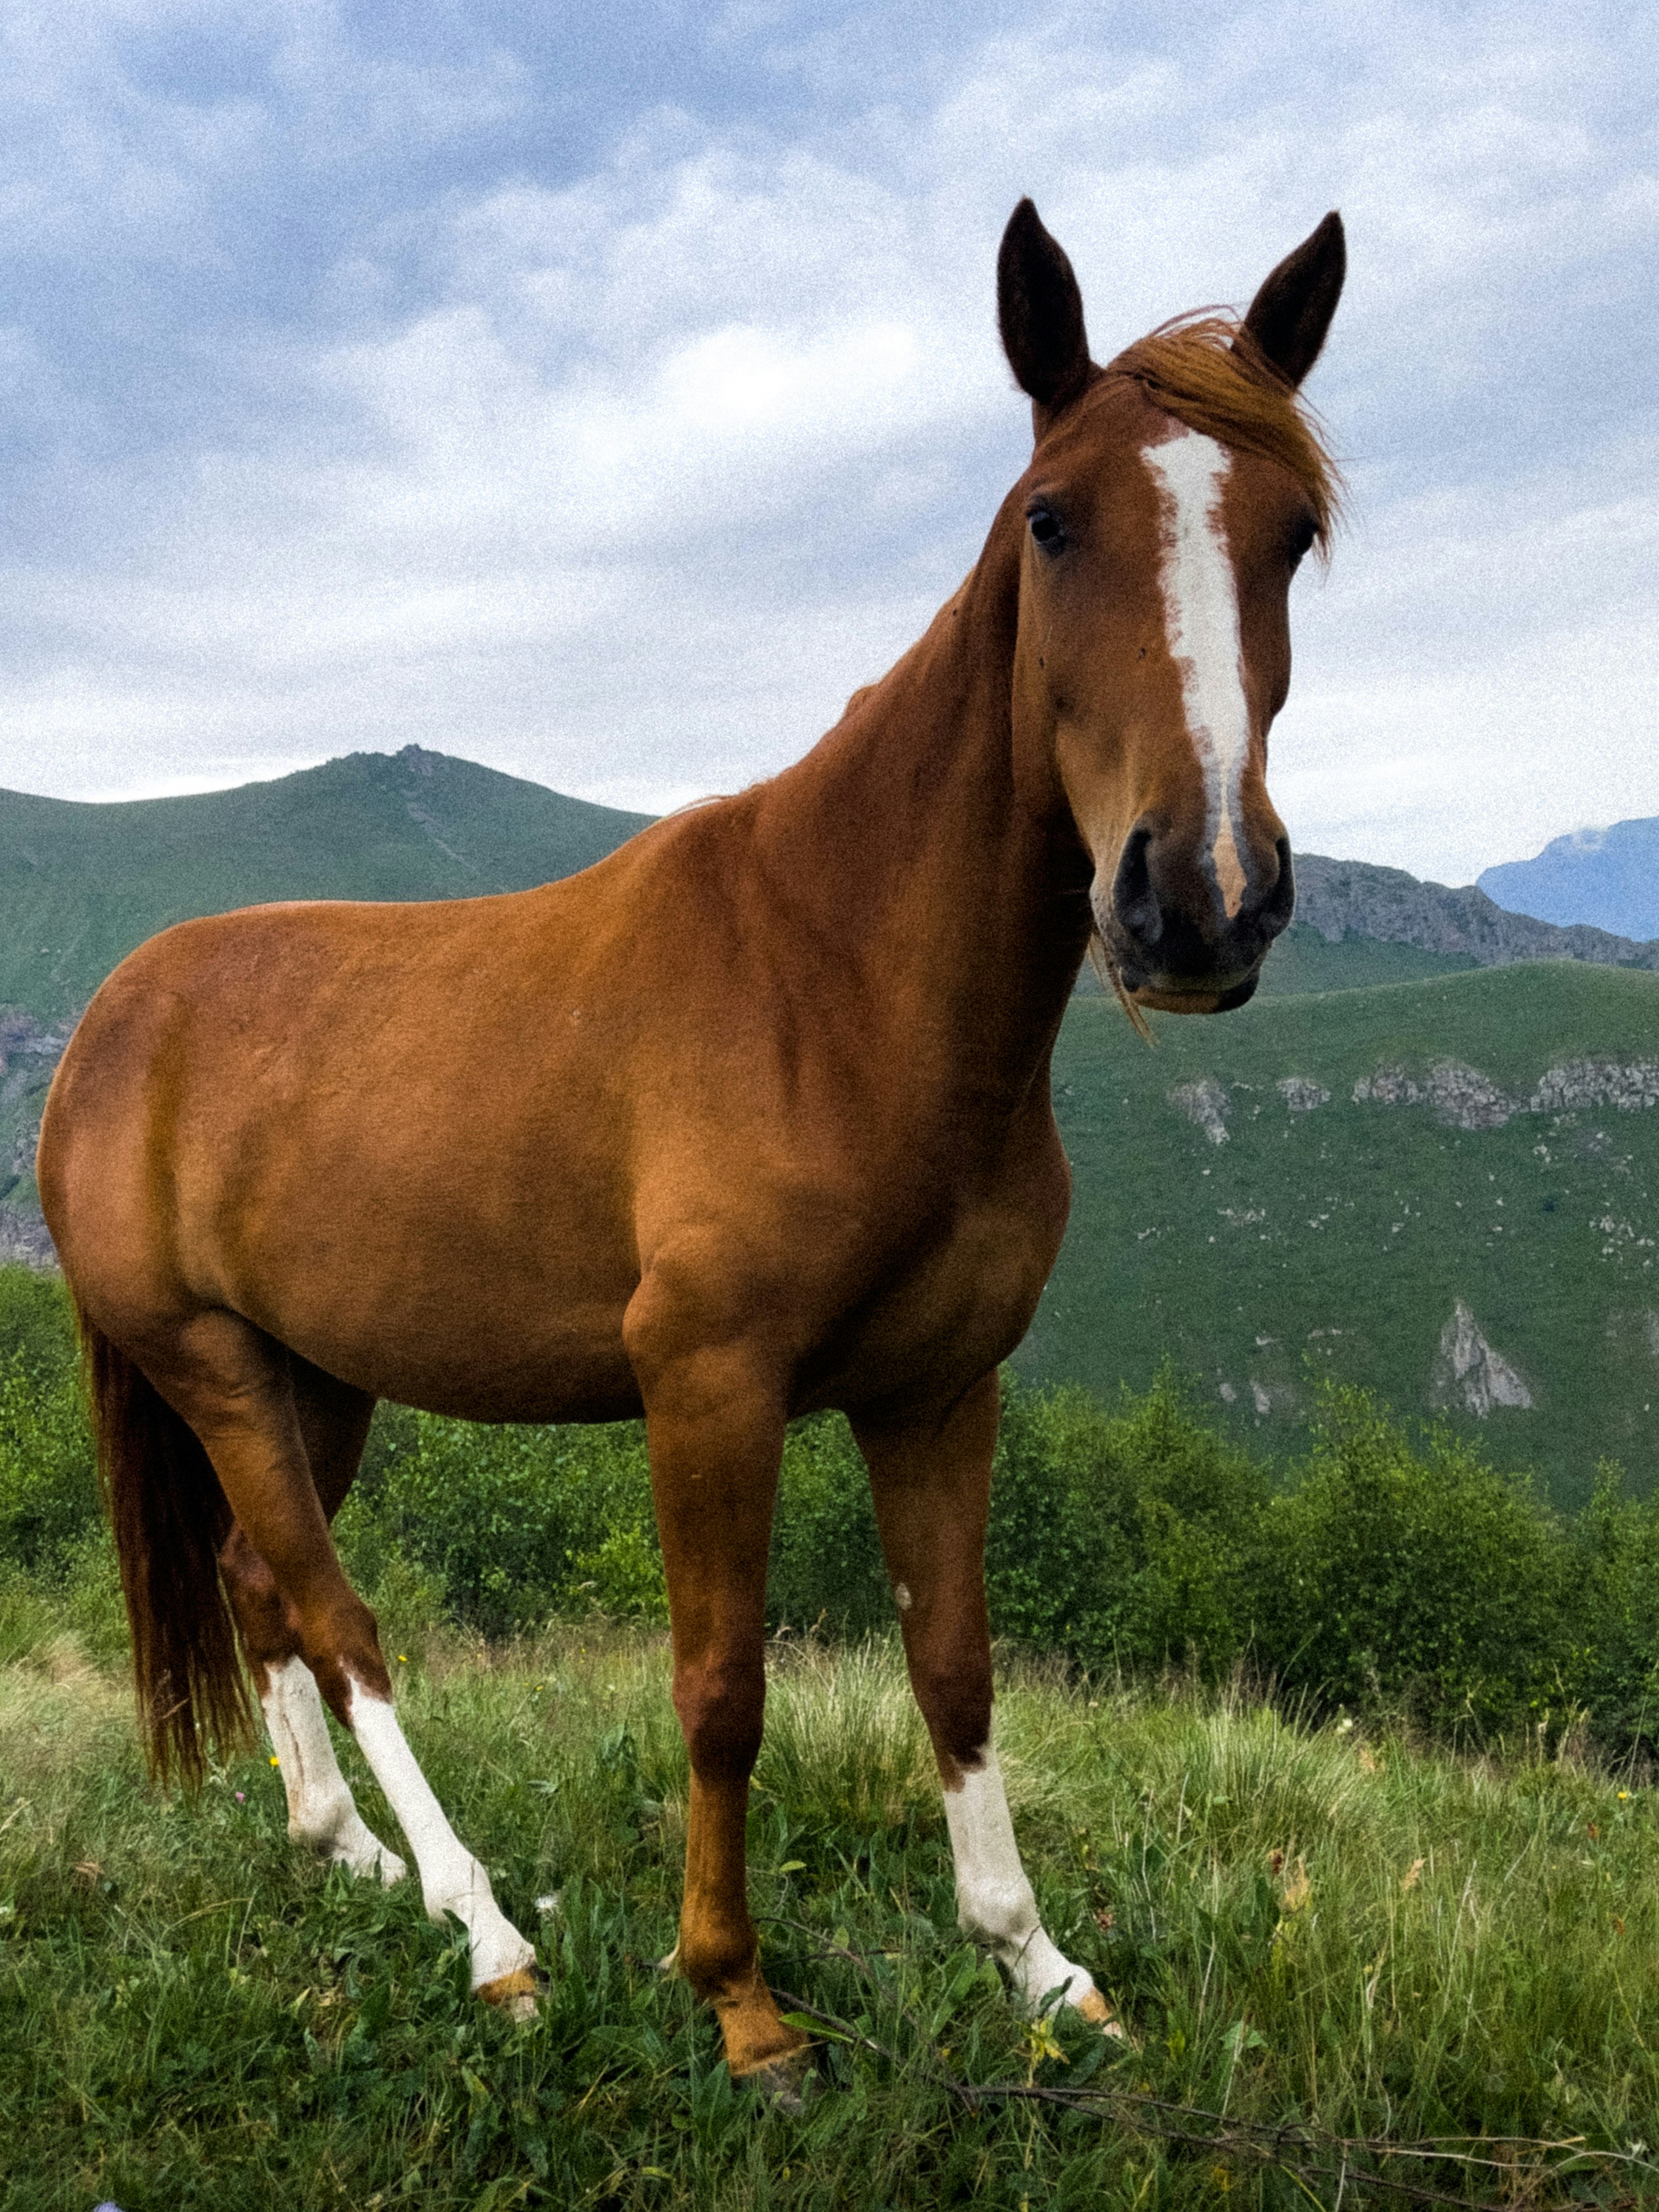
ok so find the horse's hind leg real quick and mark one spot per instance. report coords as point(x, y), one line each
point(931, 1482)
point(321, 1812)
point(235, 1389)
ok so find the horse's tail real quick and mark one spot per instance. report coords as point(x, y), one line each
point(170, 1517)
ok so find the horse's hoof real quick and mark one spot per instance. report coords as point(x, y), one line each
point(782, 2081)
point(1093, 2008)
point(515, 1994)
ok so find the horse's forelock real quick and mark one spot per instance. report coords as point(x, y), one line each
point(1206, 370)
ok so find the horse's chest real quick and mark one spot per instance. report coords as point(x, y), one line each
point(955, 1300)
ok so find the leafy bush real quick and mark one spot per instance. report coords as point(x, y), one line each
point(514, 1524)
point(36, 1320)
point(826, 1558)
point(48, 1481)
point(1385, 1571)
point(1615, 1582)
point(1124, 1539)
point(1419, 1578)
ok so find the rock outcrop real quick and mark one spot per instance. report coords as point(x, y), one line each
point(1205, 1103)
point(1463, 1098)
point(1469, 1375)
point(1628, 1087)
point(24, 1237)
point(1301, 1094)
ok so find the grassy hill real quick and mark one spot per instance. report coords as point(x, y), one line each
point(1304, 961)
point(82, 885)
point(1325, 1934)
point(1339, 1239)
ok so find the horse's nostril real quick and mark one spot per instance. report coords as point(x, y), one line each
point(1280, 902)
point(1134, 900)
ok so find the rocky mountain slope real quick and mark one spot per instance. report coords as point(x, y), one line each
point(1446, 1190)
point(1351, 899)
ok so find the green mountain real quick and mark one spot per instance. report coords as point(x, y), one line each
point(1446, 1189)
point(1425, 1157)
point(82, 885)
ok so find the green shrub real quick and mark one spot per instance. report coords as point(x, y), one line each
point(1615, 1578)
point(49, 1503)
point(1416, 1577)
point(1123, 1540)
point(514, 1524)
point(1388, 1571)
point(826, 1558)
point(36, 1319)
point(48, 1480)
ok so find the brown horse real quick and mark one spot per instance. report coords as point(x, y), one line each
point(751, 1118)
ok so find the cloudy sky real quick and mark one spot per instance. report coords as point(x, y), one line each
point(604, 392)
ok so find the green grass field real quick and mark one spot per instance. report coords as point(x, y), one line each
point(1337, 1241)
point(1324, 1931)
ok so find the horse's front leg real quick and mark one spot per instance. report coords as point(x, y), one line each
point(714, 1421)
point(932, 1485)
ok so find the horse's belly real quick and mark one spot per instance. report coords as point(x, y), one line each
point(440, 1304)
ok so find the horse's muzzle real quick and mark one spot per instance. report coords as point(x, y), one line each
point(1175, 946)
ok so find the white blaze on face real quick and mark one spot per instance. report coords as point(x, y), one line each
point(1201, 615)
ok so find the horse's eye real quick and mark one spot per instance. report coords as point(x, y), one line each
point(1047, 528)
point(1301, 538)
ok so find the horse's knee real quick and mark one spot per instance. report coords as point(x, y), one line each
point(721, 1708)
point(340, 1642)
point(332, 1630)
point(265, 1621)
point(955, 1698)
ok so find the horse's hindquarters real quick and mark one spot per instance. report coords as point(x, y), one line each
point(309, 1117)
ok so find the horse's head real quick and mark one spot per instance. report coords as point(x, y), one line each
point(1169, 500)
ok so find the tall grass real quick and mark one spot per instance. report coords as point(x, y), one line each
point(1321, 1927)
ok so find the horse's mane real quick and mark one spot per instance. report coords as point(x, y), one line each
point(1208, 371)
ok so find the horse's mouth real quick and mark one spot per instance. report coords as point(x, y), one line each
point(1200, 978)
point(1170, 995)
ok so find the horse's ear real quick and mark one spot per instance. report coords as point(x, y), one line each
point(1291, 312)
point(1040, 312)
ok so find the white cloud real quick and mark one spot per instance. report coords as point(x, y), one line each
point(624, 480)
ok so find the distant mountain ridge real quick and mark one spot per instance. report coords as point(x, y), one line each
point(1607, 877)
point(1346, 899)
point(81, 885)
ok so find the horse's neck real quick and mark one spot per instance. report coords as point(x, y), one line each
point(905, 845)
